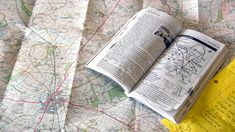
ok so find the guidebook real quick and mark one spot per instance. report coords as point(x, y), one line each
point(158, 63)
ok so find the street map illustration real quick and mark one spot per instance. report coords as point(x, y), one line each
point(187, 58)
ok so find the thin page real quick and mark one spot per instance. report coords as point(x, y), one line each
point(134, 49)
point(173, 78)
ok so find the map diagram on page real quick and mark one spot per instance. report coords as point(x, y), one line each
point(45, 44)
point(186, 59)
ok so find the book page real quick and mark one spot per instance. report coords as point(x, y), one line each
point(214, 109)
point(134, 49)
point(175, 76)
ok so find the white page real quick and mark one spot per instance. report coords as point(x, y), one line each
point(179, 70)
point(133, 50)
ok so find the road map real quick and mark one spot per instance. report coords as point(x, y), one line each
point(186, 59)
point(45, 44)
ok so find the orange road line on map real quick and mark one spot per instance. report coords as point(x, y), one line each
point(102, 24)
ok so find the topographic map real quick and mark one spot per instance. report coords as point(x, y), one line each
point(45, 44)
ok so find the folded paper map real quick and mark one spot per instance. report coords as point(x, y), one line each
point(44, 45)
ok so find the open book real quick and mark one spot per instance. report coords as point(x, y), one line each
point(158, 63)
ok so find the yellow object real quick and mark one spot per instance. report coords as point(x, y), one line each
point(214, 110)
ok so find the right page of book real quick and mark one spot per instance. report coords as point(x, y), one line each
point(179, 70)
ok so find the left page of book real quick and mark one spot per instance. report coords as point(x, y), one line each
point(133, 50)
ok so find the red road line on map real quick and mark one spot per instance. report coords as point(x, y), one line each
point(40, 118)
point(23, 70)
point(148, 3)
point(99, 27)
point(49, 99)
point(20, 101)
point(28, 67)
point(65, 76)
point(58, 88)
point(82, 106)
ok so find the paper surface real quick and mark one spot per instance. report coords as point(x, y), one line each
point(41, 81)
point(96, 103)
point(214, 109)
point(13, 22)
point(179, 69)
point(136, 47)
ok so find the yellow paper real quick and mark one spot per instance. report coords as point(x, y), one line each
point(214, 110)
